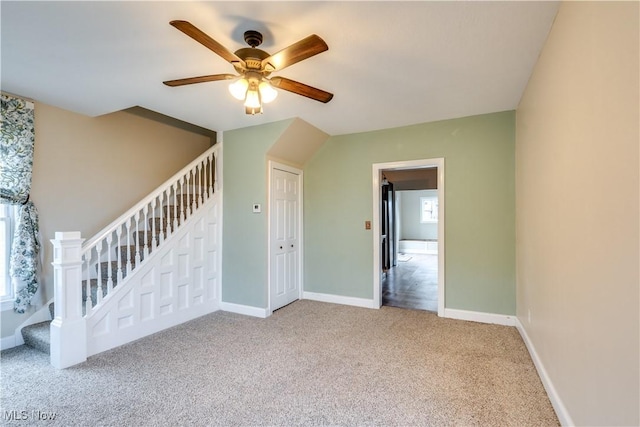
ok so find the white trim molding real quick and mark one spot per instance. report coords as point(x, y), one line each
point(477, 316)
point(554, 397)
point(247, 310)
point(7, 342)
point(339, 299)
point(377, 169)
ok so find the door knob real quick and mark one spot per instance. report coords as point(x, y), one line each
point(280, 247)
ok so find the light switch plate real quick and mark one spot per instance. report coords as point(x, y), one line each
point(257, 208)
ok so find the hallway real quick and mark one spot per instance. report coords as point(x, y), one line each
point(412, 283)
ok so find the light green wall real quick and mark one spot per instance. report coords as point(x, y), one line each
point(244, 237)
point(410, 226)
point(479, 210)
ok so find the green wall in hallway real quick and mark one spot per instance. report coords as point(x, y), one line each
point(244, 237)
point(479, 208)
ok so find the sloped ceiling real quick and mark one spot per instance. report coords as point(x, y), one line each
point(389, 64)
point(298, 143)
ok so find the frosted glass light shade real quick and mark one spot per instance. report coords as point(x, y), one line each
point(253, 99)
point(238, 89)
point(267, 92)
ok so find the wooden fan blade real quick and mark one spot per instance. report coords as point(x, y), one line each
point(301, 89)
point(305, 48)
point(200, 79)
point(199, 36)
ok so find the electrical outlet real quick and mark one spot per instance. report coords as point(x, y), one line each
point(257, 208)
point(367, 225)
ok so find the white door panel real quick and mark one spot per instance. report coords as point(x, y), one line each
point(284, 238)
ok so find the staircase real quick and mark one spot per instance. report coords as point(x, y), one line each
point(154, 267)
point(38, 335)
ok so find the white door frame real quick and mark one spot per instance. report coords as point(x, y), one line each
point(377, 206)
point(271, 166)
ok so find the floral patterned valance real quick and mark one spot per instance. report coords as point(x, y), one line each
point(16, 149)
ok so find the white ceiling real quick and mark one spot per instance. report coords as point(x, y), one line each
point(389, 64)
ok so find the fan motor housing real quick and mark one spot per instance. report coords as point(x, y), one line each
point(252, 57)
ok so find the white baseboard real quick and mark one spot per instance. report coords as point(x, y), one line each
point(554, 397)
point(247, 310)
point(7, 342)
point(476, 316)
point(338, 299)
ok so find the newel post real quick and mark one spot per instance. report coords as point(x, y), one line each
point(68, 329)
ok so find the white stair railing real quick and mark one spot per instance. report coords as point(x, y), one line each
point(122, 246)
point(104, 261)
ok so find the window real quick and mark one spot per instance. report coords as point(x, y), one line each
point(6, 234)
point(428, 209)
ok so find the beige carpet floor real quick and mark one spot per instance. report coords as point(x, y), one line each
point(310, 363)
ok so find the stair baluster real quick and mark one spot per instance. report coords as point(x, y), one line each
point(184, 189)
point(109, 266)
point(213, 179)
point(89, 299)
point(119, 254)
point(193, 201)
point(200, 175)
point(207, 177)
point(99, 287)
point(154, 228)
point(127, 226)
point(163, 229)
point(136, 241)
point(145, 241)
point(174, 214)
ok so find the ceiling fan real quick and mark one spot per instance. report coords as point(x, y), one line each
point(254, 66)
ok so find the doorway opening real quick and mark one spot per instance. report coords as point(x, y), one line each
point(411, 279)
point(408, 228)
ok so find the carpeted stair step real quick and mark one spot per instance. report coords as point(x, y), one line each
point(93, 283)
point(170, 212)
point(147, 235)
point(38, 336)
point(159, 225)
point(104, 270)
point(127, 252)
point(154, 223)
point(186, 201)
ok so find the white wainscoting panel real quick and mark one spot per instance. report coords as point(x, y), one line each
point(178, 282)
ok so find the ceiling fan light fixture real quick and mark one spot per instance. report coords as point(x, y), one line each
point(253, 111)
point(253, 99)
point(254, 65)
point(238, 89)
point(267, 92)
